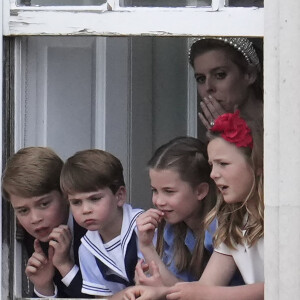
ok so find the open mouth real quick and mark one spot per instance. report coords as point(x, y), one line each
point(43, 231)
point(223, 188)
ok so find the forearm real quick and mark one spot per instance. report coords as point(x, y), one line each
point(65, 268)
point(244, 292)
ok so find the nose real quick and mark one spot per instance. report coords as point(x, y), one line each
point(210, 86)
point(86, 207)
point(158, 200)
point(214, 174)
point(35, 217)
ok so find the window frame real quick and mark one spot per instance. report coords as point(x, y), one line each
point(109, 20)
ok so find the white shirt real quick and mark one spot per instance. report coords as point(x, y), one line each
point(112, 254)
point(249, 260)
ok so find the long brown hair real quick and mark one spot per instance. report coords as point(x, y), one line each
point(187, 156)
point(231, 222)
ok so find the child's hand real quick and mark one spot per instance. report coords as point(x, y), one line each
point(145, 293)
point(148, 274)
point(185, 290)
point(147, 222)
point(61, 239)
point(40, 270)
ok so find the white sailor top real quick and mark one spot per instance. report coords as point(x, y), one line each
point(109, 268)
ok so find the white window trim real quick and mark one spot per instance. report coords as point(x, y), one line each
point(91, 20)
point(104, 21)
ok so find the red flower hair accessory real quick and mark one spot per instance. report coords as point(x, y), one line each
point(234, 129)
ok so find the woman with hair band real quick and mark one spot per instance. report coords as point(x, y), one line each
point(228, 75)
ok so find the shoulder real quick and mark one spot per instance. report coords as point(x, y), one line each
point(130, 212)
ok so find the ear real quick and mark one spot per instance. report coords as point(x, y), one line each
point(202, 190)
point(121, 196)
point(251, 75)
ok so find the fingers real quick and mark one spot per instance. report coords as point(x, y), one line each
point(60, 234)
point(178, 291)
point(204, 120)
point(50, 253)
point(61, 238)
point(148, 275)
point(154, 269)
point(211, 109)
point(213, 106)
point(149, 220)
point(173, 296)
point(140, 269)
point(132, 294)
point(35, 262)
point(37, 246)
point(143, 265)
point(173, 293)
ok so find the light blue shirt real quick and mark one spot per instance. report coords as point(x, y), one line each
point(190, 242)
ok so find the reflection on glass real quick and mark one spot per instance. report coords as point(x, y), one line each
point(59, 2)
point(167, 3)
point(246, 3)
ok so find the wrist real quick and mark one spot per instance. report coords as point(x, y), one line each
point(65, 268)
point(149, 248)
point(49, 291)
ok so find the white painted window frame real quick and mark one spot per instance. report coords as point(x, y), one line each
point(109, 20)
point(114, 20)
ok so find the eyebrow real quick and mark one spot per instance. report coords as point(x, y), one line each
point(215, 160)
point(89, 197)
point(19, 207)
point(212, 70)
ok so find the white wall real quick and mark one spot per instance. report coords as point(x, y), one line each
point(282, 155)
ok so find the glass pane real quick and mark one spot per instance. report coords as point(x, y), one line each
point(167, 3)
point(246, 3)
point(59, 2)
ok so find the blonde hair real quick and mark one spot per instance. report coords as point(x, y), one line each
point(31, 172)
point(231, 222)
point(186, 156)
point(90, 170)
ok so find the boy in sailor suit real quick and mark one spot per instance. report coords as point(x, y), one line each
point(94, 184)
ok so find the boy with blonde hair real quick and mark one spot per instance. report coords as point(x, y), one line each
point(31, 183)
point(93, 182)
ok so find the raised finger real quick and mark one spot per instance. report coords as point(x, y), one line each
point(37, 246)
point(217, 108)
point(206, 110)
point(204, 121)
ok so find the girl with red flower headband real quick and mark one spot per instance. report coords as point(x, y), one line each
point(235, 152)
